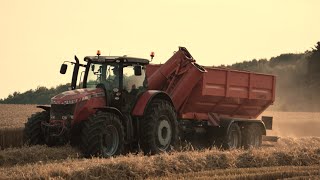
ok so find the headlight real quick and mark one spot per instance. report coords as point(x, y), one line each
point(85, 98)
point(72, 101)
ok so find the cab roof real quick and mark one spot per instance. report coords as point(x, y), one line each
point(116, 59)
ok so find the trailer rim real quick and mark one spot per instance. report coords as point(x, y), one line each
point(233, 137)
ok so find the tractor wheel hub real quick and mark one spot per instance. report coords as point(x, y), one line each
point(164, 132)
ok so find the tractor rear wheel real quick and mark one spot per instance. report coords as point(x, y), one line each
point(102, 135)
point(252, 136)
point(159, 127)
point(32, 132)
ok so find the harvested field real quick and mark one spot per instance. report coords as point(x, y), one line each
point(291, 157)
point(66, 162)
point(277, 172)
point(15, 115)
point(12, 119)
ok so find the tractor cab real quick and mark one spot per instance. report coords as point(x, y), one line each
point(122, 78)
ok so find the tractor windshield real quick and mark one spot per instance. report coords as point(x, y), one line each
point(109, 76)
point(106, 74)
point(132, 82)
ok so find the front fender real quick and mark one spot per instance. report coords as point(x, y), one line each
point(145, 99)
point(47, 108)
point(111, 110)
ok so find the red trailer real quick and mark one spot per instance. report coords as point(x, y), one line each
point(226, 92)
point(220, 97)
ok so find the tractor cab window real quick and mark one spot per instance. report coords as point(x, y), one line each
point(131, 82)
point(105, 74)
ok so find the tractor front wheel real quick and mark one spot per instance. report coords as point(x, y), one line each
point(32, 131)
point(159, 130)
point(102, 135)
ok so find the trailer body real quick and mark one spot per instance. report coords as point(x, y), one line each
point(201, 91)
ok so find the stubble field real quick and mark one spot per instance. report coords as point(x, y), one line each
point(296, 155)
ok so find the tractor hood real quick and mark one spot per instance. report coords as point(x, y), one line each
point(78, 95)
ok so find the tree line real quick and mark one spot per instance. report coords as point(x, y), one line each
point(41, 95)
point(298, 78)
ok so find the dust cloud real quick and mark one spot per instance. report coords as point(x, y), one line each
point(297, 89)
point(294, 124)
point(296, 110)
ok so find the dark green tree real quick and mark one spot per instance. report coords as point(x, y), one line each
point(314, 64)
point(41, 95)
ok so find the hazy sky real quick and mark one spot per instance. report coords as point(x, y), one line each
point(36, 36)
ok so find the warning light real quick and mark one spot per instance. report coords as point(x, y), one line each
point(98, 53)
point(152, 55)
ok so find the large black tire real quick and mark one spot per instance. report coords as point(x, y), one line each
point(159, 128)
point(32, 132)
point(232, 139)
point(102, 135)
point(252, 136)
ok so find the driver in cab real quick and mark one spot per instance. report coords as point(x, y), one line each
point(115, 71)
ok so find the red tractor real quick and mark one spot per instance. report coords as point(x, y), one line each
point(125, 102)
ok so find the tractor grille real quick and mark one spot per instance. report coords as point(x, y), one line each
point(61, 110)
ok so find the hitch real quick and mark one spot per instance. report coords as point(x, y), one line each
point(56, 132)
point(54, 129)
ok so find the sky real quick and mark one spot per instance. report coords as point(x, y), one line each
point(36, 36)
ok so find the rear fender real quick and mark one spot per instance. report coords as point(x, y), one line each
point(245, 123)
point(223, 128)
point(225, 124)
point(268, 121)
point(47, 108)
point(146, 98)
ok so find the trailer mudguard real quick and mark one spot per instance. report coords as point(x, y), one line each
point(145, 99)
point(244, 122)
point(225, 124)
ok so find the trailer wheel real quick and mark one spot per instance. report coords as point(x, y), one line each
point(252, 136)
point(232, 140)
point(159, 130)
point(32, 133)
point(102, 135)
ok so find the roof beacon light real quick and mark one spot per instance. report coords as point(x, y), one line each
point(98, 53)
point(152, 55)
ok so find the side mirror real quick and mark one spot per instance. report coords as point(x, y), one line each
point(63, 68)
point(137, 70)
